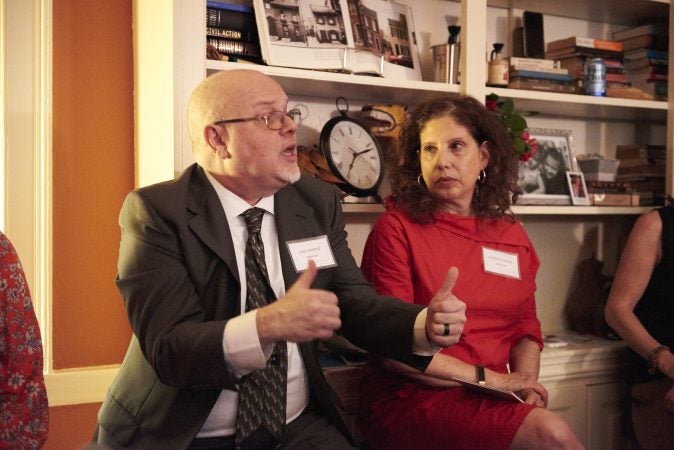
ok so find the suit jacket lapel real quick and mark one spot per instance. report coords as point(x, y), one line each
point(293, 221)
point(208, 219)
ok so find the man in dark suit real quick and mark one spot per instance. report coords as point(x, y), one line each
point(182, 275)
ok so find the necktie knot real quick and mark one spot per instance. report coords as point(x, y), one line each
point(253, 218)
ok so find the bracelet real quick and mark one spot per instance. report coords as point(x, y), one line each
point(480, 375)
point(653, 357)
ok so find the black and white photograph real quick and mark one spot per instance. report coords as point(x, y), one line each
point(312, 34)
point(385, 29)
point(543, 177)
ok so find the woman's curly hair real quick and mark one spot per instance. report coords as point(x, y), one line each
point(495, 194)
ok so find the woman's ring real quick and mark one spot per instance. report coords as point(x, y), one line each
point(446, 333)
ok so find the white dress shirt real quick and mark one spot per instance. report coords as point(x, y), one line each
point(241, 342)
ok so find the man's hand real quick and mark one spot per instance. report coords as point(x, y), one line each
point(446, 313)
point(303, 314)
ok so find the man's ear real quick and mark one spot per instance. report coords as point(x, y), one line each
point(216, 141)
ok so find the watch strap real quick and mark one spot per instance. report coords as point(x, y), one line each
point(480, 375)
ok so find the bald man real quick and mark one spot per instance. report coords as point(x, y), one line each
point(182, 276)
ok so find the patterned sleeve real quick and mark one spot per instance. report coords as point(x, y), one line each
point(23, 397)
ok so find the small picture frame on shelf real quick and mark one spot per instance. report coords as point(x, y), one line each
point(577, 188)
point(543, 177)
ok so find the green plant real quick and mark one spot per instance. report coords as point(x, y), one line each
point(515, 124)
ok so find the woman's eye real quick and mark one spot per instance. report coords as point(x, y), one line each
point(430, 150)
point(456, 146)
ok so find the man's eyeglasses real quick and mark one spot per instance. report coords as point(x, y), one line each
point(273, 120)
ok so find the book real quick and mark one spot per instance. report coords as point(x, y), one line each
point(533, 63)
point(540, 75)
point(645, 53)
point(374, 37)
point(645, 62)
point(231, 21)
point(627, 151)
point(585, 52)
point(231, 30)
point(607, 186)
point(490, 390)
point(540, 69)
point(637, 162)
point(648, 170)
point(233, 47)
point(640, 30)
point(658, 89)
point(576, 41)
point(646, 41)
point(614, 199)
point(639, 76)
point(542, 85)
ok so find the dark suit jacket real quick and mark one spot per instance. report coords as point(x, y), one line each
point(178, 276)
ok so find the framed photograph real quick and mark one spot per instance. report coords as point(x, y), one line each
point(577, 188)
point(543, 177)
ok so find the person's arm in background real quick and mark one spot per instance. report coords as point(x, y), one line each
point(24, 415)
point(641, 254)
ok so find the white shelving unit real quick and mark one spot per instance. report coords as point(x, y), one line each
point(170, 61)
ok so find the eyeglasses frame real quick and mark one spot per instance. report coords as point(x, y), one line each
point(265, 118)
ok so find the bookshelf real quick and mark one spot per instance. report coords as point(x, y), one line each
point(170, 61)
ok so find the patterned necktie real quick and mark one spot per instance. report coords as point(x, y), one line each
point(262, 394)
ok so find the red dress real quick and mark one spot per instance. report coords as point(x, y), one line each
point(408, 260)
point(23, 397)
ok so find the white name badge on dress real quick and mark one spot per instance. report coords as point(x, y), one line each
point(501, 263)
point(316, 248)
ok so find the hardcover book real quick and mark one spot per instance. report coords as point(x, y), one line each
point(319, 34)
point(640, 30)
point(576, 41)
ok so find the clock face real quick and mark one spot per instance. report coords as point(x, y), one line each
point(353, 154)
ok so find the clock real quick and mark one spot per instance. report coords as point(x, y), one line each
point(353, 155)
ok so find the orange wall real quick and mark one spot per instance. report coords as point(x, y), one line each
point(93, 169)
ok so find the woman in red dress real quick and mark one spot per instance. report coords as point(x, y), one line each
point(23, 397)
point(450, 207)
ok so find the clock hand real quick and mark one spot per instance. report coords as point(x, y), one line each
point(353, 160)
point(364, 151)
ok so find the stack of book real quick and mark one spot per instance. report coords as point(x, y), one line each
point(539, 74)
point(646, 57)
point(612, 193)
point(572, 52)
point(644, 167)
point(231, 30)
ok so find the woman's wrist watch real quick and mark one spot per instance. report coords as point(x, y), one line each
point(480, 375)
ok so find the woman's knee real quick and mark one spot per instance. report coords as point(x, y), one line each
point(545, 429)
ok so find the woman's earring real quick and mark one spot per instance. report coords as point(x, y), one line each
point(420, 181)
point(482, 177)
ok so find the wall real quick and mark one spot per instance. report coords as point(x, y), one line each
point(93, 166)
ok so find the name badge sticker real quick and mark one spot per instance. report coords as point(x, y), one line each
point(501, 263)
point(316, 248)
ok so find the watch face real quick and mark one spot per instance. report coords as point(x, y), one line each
point(353, 154)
